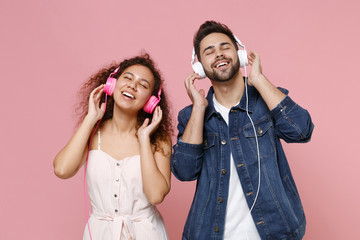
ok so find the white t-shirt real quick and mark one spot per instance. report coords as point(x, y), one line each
point(239, 224)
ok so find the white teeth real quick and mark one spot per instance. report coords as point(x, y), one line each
point(221, 64)
point(128, 95)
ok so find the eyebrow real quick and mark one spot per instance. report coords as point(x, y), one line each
point(212, 46)
point(142, 79)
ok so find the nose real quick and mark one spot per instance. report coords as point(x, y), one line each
point(132, 85)
point(219, 54)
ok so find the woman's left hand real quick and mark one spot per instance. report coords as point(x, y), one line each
point(146, 129)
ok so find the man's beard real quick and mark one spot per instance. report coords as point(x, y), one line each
point(216, 77)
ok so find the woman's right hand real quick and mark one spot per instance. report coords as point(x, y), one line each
point(70, 159)
point(95, 113)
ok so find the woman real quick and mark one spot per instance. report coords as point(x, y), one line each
point(128, 166)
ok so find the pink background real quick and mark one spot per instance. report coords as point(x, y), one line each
point(48, 48)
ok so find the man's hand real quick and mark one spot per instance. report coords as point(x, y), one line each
point(256, 69)
point(197, 96)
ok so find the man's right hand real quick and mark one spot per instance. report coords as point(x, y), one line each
point(197, 96)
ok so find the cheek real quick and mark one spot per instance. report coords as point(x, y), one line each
point(145, 96)
point(119, 84)
point(207, 63)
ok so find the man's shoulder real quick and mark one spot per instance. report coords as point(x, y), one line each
point(186, 111)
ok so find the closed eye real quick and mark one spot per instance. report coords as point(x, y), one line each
point(225, 46)
point(208, 52)
point(143, 85)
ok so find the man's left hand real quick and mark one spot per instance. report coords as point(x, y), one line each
point(256, 69)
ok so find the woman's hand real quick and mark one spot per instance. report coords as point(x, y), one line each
point(95, 113)
point(146, 129)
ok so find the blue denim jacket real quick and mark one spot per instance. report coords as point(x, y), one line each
point(278, 212)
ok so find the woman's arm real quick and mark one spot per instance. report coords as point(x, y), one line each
point(155, 166)
point(70, 159)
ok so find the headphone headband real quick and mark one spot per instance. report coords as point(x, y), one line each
point(194, 54)
point(159, 92)
point(114, 72)
point(238, 41)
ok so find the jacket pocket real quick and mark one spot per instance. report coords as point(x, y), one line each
point(209, 151)
point(265, 135)
point(293, 196)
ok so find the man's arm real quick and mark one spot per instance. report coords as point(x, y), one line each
point(292, 123)
point(186, 160)
point(271, 95)
point(194, 129)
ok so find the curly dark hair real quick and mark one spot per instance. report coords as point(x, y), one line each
point(211, 27)
point(164, 131)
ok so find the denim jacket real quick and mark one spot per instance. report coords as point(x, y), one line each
point(278, 213)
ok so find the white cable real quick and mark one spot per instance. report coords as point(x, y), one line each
point(257, 145)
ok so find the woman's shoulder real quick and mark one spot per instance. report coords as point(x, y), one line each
point(163, 145)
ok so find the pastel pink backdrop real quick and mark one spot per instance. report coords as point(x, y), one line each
point(48, 48)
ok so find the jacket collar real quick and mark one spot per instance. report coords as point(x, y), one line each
point(253, 95)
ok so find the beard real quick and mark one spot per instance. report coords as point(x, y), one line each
point(222, 76)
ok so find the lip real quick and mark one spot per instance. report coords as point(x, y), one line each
point(128, 95)
point(223, 64)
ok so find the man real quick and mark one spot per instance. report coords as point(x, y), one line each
point(217, 146)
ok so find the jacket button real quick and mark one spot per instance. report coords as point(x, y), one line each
point(216, 229)
point(281, 110)
point(249, 193)
point(116, 210)
point(223, 171)
point(223, 142)
point(240, 164)
point(259, 130)
point(220, 200)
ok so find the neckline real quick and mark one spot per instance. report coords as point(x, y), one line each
point(115, 159)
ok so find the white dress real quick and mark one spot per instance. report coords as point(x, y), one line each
point(121, 210)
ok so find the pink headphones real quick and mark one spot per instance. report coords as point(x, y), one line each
point(150, 104)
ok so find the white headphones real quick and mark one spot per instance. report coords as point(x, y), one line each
point(242, 54)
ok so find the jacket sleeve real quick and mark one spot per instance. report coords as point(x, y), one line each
point(186, 160)
point(292, 122)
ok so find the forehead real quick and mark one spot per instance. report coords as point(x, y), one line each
point(214, 39)
point(140, 71)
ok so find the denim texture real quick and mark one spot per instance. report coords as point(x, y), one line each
point(278, 213)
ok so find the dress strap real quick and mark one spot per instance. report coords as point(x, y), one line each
point(99, 139)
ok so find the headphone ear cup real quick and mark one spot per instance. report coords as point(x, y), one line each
point(110, 86)
point(151, 104)
point(198, 68)
point(242, 54)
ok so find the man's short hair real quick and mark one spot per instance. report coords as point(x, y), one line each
point(211, 27)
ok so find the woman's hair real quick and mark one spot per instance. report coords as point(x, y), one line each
point(164, 130)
